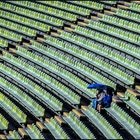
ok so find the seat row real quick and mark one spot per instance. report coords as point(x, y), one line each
point(12, 109)
point(24, 20)
point(68, 7)
point(55, 129)
point(101, 123)
point(128, 14)
point(82, 131)
point(89, 4)
point(36, 90)
point(22, 97)
point(4, 124)
point(100, 49)
point(135, 7)
point(96, 77)
point(75, 80)
point(132, 102)
point(125, 120)
point(3, 43)
point(13, 135)
point(32, 14)
point(115, 31)
point(63, 90)
point(127, 79)
point(124, 47)
point(121, 23)
point(103, 38)
point(114, 55)
point(46, 9)
point(17, 27)
point(10, 35)
point(34, 132)
point(51, 82)
point(106, 39)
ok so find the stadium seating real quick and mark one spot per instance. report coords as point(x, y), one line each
point(132, 101)
point(78, 126)
point(55, 129)
point(97, 119)
point(68, 7)
point(34, 132)
point(127, 122)
point(128, 15)
point(3, 123)
point(128, 79)
point(20, 96)
point(135, 7)
point(115, 31)
point(121, 23)
point(12, 109)
point(22, 20)
point(3, 43)
point(50, 51)
point(36, 90)
point(53, 67)
point(78, 66)
point(47, 9)
point(89, 4)
point(10, 35)
point(13, 135)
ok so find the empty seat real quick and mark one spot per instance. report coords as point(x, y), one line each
point(82, 131)
point(12, 109)
point(55, 129)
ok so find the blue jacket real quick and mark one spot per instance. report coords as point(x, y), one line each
point(107, 100)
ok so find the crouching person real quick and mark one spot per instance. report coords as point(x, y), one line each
point(102, 100)
point(105, 102)
point(98, 100)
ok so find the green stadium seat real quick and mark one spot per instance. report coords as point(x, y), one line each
point(128, 36)
point(133, 102)
point(3, 43)
point(37, 90)
point(47, 9)
point(55, 129)
point(17, 27)
point(34, 132)
point(23, 20)
point(135, 7)
point(27, 101)
point(101, 123)
point(121, 23)
point(125, 120)
point(4, 124)
point(13, 135)
point(12, 109)
point(128, 14)
point(10, 35)
point(89, 4)
point(67, 6)
point(78, 126)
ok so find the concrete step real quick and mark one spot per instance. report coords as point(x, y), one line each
point(78, 113)
point(40, 126)
point(59, 120)
point(22, 132)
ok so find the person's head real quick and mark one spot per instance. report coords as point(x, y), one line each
point(100, 91)
point(110, 92)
